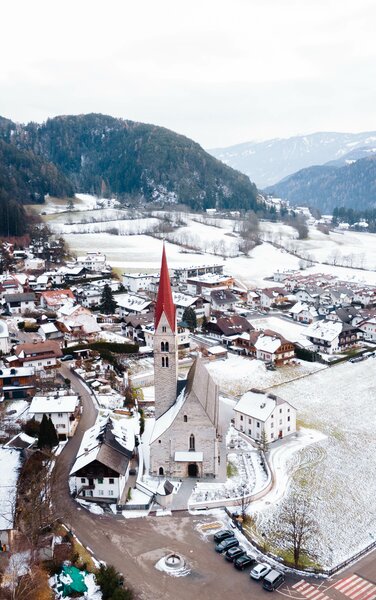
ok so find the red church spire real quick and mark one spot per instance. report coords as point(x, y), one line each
point(165, 302)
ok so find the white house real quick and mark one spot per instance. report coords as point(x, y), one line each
point(183, 301)
point(40, 355)
point(273, 348)
point(134, 282)
point(132, 303)
point(101, 468)
point(4, 337)
point(18, 304)
point(304, 313)
point(368, 326)
point(93, 261)
point(63, 411)
point(257, 411)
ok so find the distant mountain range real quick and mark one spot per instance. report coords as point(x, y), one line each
point(268, 162)
point(105, 156)
point(326, 187)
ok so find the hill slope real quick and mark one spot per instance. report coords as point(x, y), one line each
point(325, 187)
point(273, 160)
point(106, 156)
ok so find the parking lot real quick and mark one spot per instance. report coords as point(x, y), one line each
point(141, 543)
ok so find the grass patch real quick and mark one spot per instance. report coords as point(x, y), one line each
point(305, 561)
point(231, 469)
point(302, 423)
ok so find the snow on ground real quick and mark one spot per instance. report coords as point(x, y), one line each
point(290, 329)
point(10, 464)
point(91, 506)
point(237, 374)
point(337, 472)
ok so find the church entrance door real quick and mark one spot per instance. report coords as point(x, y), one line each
point(192, 470)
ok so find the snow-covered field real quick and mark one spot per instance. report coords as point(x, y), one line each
point(291, 330)
point(339, 472)
point(237, 374)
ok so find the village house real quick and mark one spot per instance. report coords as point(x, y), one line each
point(49, 331)
point(77, 322)
point(182, 274)
point(368, 326)
point(332, 336)
point(223, 300)
point(63, 410)
point(17, 383)
point(228, 328)
point(205, 284)
point(40, 355)
point(304, 313)
point(9, 285)
point(132, 304)
point(270, 297)
point(365, 296)
point(19, 304)
point(95, 262)
point(140, 282)
point(244, 344)
point(101, 468)
point(259, 414)
point(135, 325)
point(53, 299)
point(199, 305)
point(273, 348)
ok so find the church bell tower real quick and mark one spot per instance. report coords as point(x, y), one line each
point(165, 344)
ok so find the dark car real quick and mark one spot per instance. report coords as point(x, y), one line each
point(67, 357)
point(223, 534)
point(273, 580)
point(243, 562)
point(226, 544)
point(234, 552)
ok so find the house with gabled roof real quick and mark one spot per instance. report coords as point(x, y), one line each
point(273, 348)
point(101, 469)
point(259, 413)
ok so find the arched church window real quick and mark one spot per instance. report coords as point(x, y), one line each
point(166, 361)
point(166, 347)
point(192, 442)
point(185, 419)
point(164, 329)
point(161, 471)
point(162, 346)
point(163, 361)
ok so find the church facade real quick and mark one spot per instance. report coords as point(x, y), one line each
point(185, 438)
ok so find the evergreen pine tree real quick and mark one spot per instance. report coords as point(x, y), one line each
point(43, 432)
point(70, 204)
point(53, 438)
point(107, 304)
point(189, 317)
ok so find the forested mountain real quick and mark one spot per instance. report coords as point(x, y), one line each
point(106, 156)
point(325, 187)
point(272, 160)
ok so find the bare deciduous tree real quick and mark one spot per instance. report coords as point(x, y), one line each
point(298, 525)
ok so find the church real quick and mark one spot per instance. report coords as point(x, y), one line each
point(185, 438)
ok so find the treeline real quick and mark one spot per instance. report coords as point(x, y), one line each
point(105, 156)
point(349, 215)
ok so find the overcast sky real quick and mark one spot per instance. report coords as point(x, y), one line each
point(219, 72)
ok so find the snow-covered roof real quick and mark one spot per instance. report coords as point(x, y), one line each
point(51, 404)
point(118, 441)
point(258, 405)
point(165, 420)
point(132, 302)
point(266, 343)
point(10, 464)
point(325, 330)
point(17, 371)
point(183, 300)
point(48, 328)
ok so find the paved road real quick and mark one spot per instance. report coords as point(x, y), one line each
point(134, 546)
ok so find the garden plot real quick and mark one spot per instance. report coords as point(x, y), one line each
point(338, 472)
point(237, 374)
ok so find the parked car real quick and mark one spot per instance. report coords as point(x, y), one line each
point(223, 534)
point(226, 544)
point(67, 357)
point(357, 359)
point(259, 571)
point(242, 562)
point(234, 552)
point(273, 580)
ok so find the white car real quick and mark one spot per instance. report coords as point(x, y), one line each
point(260, 570)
